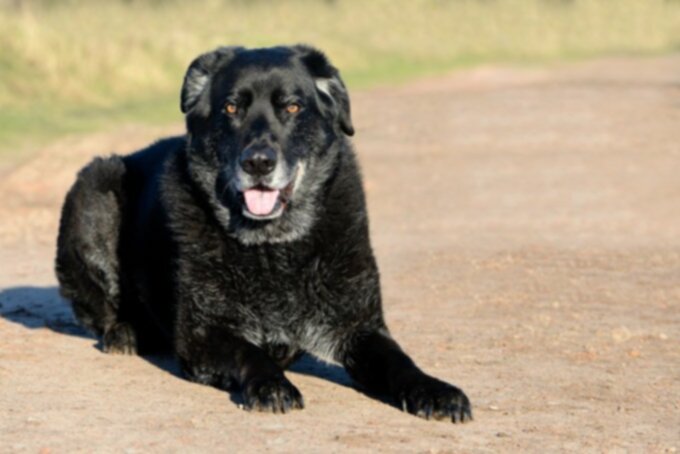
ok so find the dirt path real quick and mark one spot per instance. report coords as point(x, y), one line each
point(527, 224)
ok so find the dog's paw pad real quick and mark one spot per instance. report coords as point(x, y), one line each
point(120, 339)
point(272, 394)
point(434, 399)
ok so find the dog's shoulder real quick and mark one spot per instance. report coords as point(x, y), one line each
point(344, 202)
point(188, 214)
point(341, 235)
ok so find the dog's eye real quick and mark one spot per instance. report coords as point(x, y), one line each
point(231, 108)
point(293, 108)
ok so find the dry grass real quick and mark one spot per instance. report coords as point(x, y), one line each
point(62, 61)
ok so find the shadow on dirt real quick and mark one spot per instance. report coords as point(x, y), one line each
point(43, 307)
point(39, 307)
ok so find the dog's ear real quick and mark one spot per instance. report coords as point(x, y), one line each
point(197, 79)
point(328, 83)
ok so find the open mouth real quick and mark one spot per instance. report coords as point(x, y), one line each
point(262, 203)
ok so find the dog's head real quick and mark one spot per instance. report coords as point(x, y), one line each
point(264, 127)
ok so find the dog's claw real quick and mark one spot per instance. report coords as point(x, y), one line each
point(429, 398)
point(272, 394)
point(120, 339)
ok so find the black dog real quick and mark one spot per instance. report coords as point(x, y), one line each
point(243, 243)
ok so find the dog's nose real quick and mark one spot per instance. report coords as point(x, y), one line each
point(258, 161)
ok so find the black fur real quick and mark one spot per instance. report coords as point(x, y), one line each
point(160, 250)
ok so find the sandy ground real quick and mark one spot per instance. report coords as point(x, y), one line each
point(527, 225)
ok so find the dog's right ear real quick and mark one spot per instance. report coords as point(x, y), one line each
point(197, 79)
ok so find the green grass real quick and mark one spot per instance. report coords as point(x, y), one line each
point(75, 66)
point(24, 128)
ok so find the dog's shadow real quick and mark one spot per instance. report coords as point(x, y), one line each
point(43, 307)
point(39, 307)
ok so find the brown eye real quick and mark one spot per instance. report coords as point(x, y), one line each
point(230, 108)
point(293, 108)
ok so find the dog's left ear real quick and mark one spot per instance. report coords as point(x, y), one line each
point(328, 83)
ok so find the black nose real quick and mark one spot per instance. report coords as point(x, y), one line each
point(258, 161)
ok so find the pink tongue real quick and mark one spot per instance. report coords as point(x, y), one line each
point(261, 202)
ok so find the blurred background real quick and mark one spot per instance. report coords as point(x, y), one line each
point(82, 65)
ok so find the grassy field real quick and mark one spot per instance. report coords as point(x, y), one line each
point(72, 66)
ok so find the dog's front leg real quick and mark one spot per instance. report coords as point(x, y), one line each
point(225, 361)
point(377, 362)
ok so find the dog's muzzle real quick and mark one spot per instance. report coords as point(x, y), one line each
point(262, 202)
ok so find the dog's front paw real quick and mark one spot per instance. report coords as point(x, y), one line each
point(430, 398)
point(272, 394)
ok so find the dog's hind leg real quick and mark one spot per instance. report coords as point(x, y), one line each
point(87, 263)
